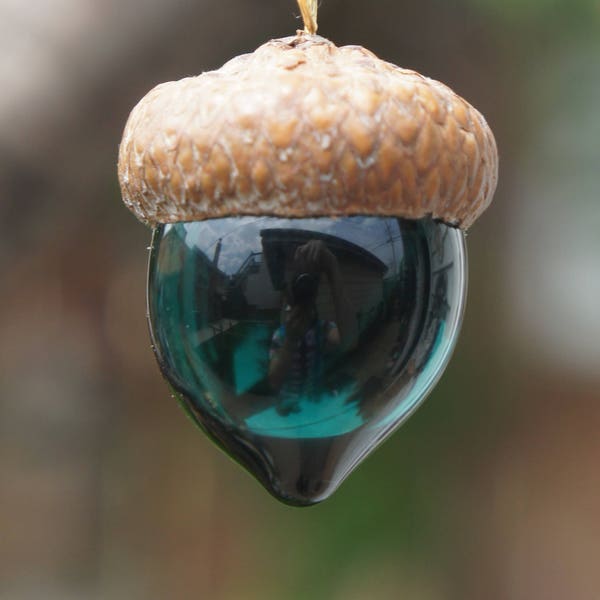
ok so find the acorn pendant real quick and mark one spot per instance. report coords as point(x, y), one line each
point(307, 272)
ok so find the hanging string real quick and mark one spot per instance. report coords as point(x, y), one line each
point(309, 9)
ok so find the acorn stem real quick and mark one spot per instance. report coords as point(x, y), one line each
point(309, 9)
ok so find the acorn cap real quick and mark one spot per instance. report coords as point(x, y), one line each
point(302, 128)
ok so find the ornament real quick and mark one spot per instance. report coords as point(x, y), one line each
point(307, 271)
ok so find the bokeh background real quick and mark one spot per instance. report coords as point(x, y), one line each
point(491, 491)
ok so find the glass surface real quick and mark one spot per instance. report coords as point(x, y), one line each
point(299, 344)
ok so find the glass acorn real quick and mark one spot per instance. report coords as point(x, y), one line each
point(307, 272)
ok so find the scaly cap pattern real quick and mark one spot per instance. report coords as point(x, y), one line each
point(303, 128)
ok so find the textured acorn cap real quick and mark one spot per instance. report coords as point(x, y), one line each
point(303, 128)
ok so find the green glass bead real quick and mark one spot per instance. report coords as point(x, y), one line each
point(299, 345)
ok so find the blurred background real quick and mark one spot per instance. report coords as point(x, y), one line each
point(492, 490)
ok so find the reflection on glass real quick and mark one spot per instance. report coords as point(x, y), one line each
point(298, 344)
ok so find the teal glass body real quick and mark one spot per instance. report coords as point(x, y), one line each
point(298, 345)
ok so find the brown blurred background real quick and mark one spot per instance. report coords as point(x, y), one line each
point(491, 491)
